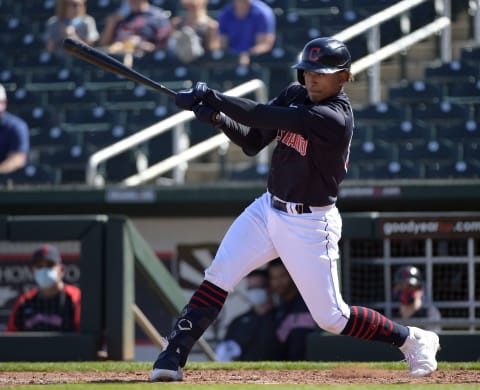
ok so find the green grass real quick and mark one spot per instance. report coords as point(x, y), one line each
point(140, 366)
point(135, 366)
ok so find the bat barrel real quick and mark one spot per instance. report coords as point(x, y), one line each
point(108, 63)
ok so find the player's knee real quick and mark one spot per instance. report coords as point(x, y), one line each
point(331, 321)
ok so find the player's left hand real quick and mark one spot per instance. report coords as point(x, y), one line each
point(189, 98)
point(208, 115)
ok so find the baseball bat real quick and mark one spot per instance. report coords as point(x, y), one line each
point(99, 58)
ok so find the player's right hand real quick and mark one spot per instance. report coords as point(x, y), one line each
point(208, 115)
point(189, 98)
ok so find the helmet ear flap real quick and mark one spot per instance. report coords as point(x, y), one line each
point(300, 76)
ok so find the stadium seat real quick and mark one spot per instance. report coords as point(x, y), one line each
point(119, 167)
point(468, 131)
point(62, 79)
point(404, 132)
point(49, 138)
point(390, 169)
point(247, 174)
point(441, 115)
point(471, 151)
point(433, 150)
point(451, 72)
point(39, 116)
point(139, 119)
point(21, 99)
point(77, 98)
point(227, 78)
point(90, 119)
point(465, 92)
point(71, 162)
point(371, 151)
point(452, 169)
point(379, 115)
point(137, 97)
point(99, 79)
point(413, 92)
point(32, 174)
point(100, 139)
point(471, 55)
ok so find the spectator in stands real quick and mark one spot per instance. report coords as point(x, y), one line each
point(195, 32)
point(53, 305)
point(14, 138)
point(408, 289)
point(70, 21)
point(247, 27)
point(294, 321)
point(137, 27)
point(251, 335)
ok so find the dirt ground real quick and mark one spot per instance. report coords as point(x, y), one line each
point(336, 376)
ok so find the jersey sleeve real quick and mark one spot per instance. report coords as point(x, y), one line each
point(13, 324)
point(21, 141)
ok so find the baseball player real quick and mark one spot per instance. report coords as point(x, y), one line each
point(408, 289)
point(53, 305)
point(296, 219)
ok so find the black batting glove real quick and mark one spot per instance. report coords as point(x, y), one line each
point(208, 115)
point(189, 98)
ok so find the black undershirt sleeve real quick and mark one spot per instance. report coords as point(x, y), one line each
point(253, 114)
point(250, 140)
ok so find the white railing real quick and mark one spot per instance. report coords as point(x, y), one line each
point(369, 26)
point(182, 154)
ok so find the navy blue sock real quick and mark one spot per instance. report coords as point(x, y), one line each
point(368, 324)
point(208, 295)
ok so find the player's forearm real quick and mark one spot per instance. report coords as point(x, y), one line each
point(249, 140)
point(13, 162)
point(252, 114)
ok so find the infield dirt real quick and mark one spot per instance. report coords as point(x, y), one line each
point(350, 375)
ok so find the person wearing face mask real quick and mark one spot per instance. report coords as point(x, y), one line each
point(408, 290)
point(251, 335)
point(294, 321)
point(53, 305)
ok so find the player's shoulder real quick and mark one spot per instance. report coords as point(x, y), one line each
point(292, 92)
point(27, 296)
point(73, 291)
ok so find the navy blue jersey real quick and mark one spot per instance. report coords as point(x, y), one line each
point(310, 158)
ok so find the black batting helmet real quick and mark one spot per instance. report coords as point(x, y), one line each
point(409, 275)
point(323, 55)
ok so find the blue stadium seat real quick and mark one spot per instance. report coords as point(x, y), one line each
point(404, 132)
point(119, 167)
point(379, 115)
point(49, 138)
point(77, 98)
point(371, 151)
point(32, 174)
point(471, 152)
point(468, 131)
point(433, 151)
point(465, 92)
point(100, 139)
point(90, 119)
point(452, 170)
point(39, 116)
point(471, 55)
point(391, 169)
point(413, 92)
point(441, 115)
point(451, 72)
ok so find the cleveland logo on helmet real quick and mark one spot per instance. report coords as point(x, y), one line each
point(323, 55)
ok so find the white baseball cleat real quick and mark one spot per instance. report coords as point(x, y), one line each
point(420, 349)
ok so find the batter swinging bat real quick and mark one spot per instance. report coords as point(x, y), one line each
point(99, 58)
